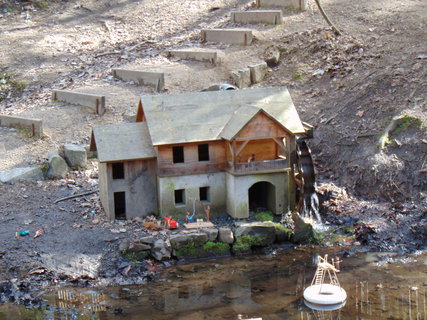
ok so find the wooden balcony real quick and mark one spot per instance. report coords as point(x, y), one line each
point(258, 166)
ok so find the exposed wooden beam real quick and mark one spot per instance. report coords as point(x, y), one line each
point(280, 143)
point(258, 138)
point(242, 147)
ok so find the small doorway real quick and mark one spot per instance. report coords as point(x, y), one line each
point(262, 197)
point(120, 205)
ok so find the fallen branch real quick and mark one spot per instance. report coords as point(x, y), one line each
point(75, 196)
point(337, 32)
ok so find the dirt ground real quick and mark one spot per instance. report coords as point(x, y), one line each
point(349, 87)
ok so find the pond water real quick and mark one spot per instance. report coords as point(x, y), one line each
point(378, 285)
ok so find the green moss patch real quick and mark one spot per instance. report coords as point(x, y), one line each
point(135, 256)
point(192, 250)
point(283, 234)
point(245, 243)
point(264, 216)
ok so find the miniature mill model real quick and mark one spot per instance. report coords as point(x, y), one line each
point(325, 288)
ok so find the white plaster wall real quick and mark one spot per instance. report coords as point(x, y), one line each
point(191, 185)
point(238, 195)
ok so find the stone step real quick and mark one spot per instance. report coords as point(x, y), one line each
point(142, 78)
point(196, 54)
point(93, 101)
point(34, 126)
point(300, 5)
point(231, 36)
point(258, 16)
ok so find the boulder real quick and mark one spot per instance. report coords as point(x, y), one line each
point(184, 239)
point(58, 168)
point(263, 232)
point(226, 235)
point(242, 78)
point(19, 174)
point(212, 233)
point(303, 231)
point(75, 156)
point(133, 246)
point(258, 72)
point(161, 250)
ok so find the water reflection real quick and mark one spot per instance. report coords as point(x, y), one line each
point(267, 287)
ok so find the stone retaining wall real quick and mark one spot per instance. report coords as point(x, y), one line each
point(213, 242)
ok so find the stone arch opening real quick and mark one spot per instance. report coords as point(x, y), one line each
point(262, 197)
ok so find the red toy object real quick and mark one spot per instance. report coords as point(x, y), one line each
point(171, 223)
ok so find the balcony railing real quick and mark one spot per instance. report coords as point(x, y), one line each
point(258, 166)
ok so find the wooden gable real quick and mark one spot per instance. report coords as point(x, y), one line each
point(262, 126)
point(140, 115)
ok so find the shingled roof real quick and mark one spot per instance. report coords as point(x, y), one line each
point(215, 115)
point(192, 117)
point(124, 141)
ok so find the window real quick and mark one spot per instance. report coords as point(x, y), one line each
point(203, 152)
point(204, 193)
point(179, 196)
point(118, 170)
point(178, 154)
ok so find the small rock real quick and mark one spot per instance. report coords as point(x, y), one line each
point(58, 167)
point(226, 235)
point(272, 56)
point(161, 250)
point(75, 156)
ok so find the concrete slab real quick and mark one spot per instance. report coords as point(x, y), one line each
point(258, 16)
point(231, 36)
point(294, 4)
point(93, 101)
point(143, 78)
point(195, 54)
point(20, 174)
point(34, 126)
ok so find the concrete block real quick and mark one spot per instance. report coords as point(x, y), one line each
point(226, 235)
point(58, 168)
point(242, 78)
point(231, 36)
point(34, 126)
point(142, 78)
point(294, 4)
point(93, 101)
point(75, 156)
point(258, 72)
point(19, 174)
point(258, 16)
point(195, 54)
point(212, 233)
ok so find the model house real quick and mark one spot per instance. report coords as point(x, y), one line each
point(231, 150)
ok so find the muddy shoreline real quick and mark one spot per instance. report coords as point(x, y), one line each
point(88, 242)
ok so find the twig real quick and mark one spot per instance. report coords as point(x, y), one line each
point(75, 196)
point(107, 53)
point(337, 32)
point(140, 44)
